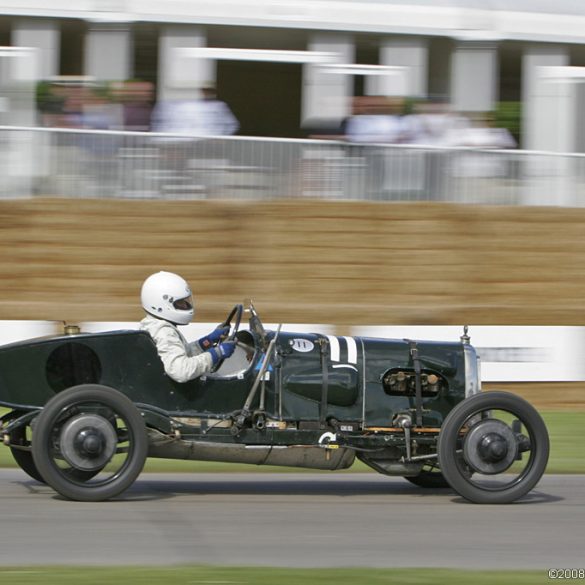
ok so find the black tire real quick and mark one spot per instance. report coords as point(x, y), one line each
point(24, 458)
point(429, 479)
point(459, 458)
point(121, 432)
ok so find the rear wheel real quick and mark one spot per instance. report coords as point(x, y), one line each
point(493, 448)
point(22, 455)
point(89, 443)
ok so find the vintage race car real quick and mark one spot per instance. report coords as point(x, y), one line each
point(85, 410)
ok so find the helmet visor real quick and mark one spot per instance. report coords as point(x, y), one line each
point(185, 304)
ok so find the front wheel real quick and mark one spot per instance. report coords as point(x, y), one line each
point(89, 443)
point(493, 448)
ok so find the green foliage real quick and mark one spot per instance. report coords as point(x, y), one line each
point(509, 115)
point(46, 99)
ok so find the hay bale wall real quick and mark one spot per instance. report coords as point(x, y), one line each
point(301, 261)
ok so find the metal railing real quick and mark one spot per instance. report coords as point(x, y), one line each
point(92, 163)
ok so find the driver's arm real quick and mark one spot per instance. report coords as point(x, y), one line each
point(184, 362)
point(178, 364)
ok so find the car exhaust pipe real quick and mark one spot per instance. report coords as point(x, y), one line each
point(311, 457)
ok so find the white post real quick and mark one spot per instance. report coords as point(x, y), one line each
point(326, 96)
point(108, 52)
point(539, 123)
point(18, 156)
point(474, 76)
point(557, 93)
point(412, 54)
point(180, 76)
point(45, 36)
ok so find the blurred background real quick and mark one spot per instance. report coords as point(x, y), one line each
point(350, 163)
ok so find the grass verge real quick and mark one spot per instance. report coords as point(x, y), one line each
point(183, 575)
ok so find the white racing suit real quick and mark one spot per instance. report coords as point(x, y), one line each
point(182, 360)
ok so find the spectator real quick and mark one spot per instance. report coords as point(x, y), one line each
point(481, 135)
point(205, 117)
point(135, 100)
point(376, 119)
point(432, 124)
point(97, 110)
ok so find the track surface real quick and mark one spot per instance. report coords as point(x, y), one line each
point(305, 520)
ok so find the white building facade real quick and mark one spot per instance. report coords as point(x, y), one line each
point(286, 66)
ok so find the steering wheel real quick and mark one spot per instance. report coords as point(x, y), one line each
point(237, 313)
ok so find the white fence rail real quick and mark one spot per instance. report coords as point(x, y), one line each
point(86, 163)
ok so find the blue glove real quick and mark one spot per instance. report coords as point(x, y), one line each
point(222, 351)
point(215, 336)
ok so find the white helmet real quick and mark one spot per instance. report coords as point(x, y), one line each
point(168, 296)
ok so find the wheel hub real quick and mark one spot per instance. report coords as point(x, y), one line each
point(88, 441)
point(490, 447)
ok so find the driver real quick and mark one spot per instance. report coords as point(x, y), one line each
point(166, 298)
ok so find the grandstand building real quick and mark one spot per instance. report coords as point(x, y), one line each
point(288, 66)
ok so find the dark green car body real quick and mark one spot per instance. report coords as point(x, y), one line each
point(298, 406)
point(31, 373)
